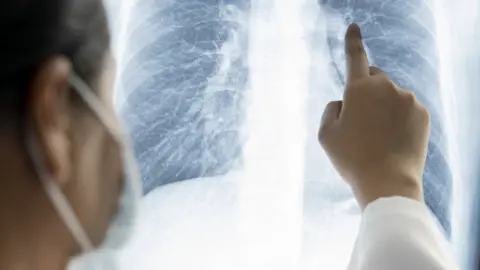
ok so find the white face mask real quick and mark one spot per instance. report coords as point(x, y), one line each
point(122, 224)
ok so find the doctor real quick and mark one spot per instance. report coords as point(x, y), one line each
point(68, 182)
point(377, 140)
point(69, 186)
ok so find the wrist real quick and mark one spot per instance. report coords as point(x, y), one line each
point(401, 186)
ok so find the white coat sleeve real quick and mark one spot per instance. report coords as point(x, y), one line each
point(400, 233)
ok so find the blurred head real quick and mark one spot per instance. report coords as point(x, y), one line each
point(43, 42)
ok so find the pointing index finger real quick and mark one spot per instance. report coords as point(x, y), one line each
point(357, 61)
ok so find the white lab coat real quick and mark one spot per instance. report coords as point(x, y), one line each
point(400, 233)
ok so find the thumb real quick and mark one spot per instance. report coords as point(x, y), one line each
point(330, 116)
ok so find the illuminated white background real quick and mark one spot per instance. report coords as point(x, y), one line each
point(277, 212)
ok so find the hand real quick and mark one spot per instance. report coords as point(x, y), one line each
point(377, 137)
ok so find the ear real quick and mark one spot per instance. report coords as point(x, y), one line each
point(49, 110)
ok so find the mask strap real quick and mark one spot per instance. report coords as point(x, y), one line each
point(94, 103)
point(57, 197)
point(118, 134)
point(53, 191)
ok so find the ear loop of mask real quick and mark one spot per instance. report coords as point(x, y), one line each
point(122, 139)
point(57, 197)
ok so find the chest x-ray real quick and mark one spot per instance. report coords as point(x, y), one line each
point(223, 100)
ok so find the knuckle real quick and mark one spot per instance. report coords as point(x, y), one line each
point(389, 83)
point(409, 97)
point(323, 134)
point(382, 80)
point(424, 111)
point(381, 76)
point(374, 71)
point(331, 105)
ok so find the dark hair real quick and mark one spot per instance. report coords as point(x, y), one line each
point(33, 31)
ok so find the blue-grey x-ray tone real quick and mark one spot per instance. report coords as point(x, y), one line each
point(400, 38)
point(184, 75)
point(182, 93)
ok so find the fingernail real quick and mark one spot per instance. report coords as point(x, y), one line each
point(354, 31)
